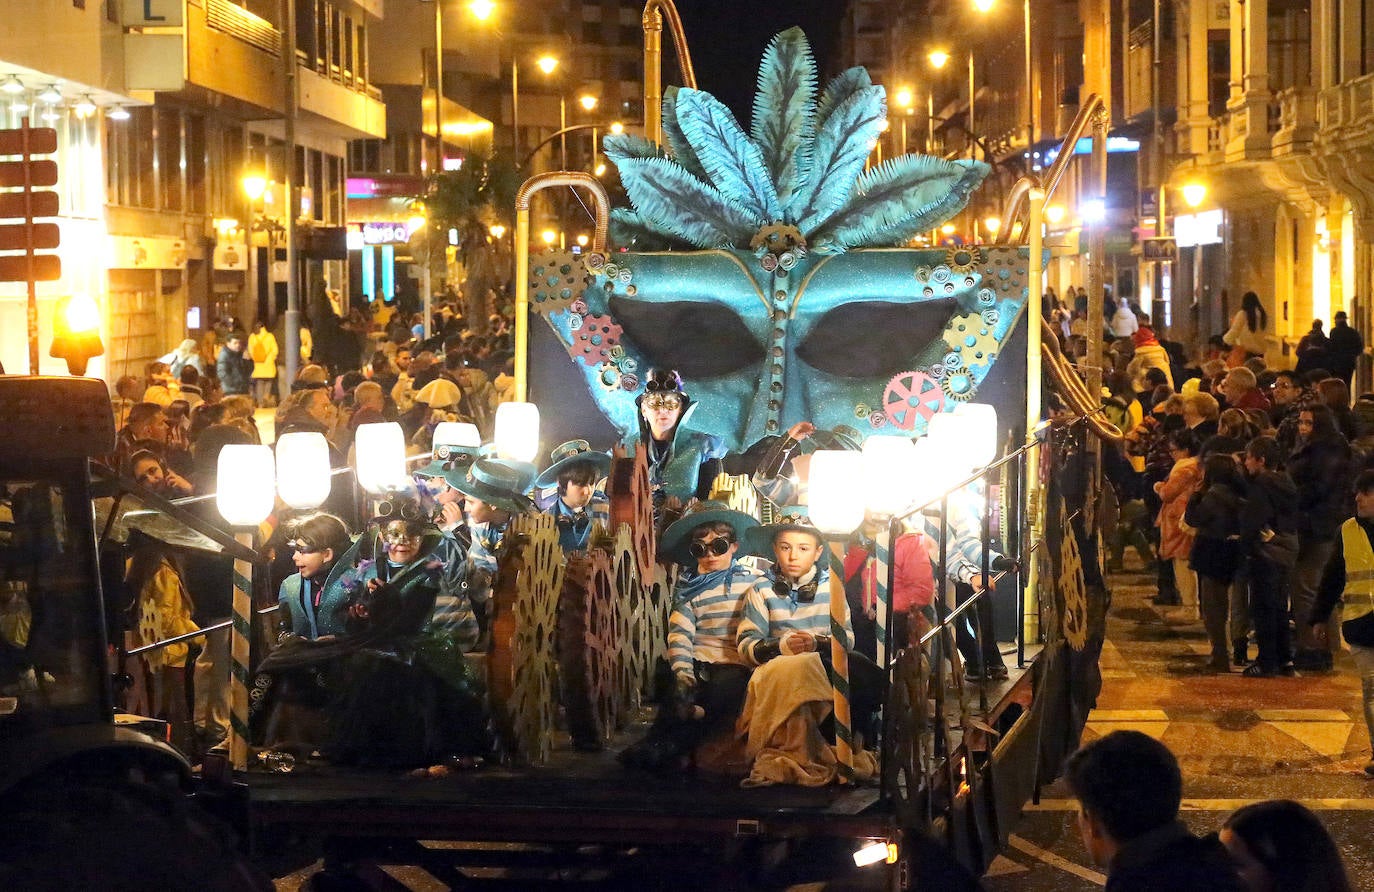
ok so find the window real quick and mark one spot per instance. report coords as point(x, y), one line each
point(142, 170)
point(1218, 72)
point(197, 180)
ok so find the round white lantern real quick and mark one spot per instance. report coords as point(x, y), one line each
point(303, 477)
point(380, 456)
point(244, 484)
point(517, 431)
point(836, 499)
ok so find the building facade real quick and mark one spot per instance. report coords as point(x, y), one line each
point(189, 100)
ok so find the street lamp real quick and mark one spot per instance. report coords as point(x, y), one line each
point(587, 101)
point(482, 9)
point(906, 100)
point(546, 64)
point(1194, 194)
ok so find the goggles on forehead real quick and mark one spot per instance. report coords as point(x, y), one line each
point(665, 380)
point(656, 401)
point(398, 509)
point(716, 547)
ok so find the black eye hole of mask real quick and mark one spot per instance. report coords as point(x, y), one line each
point(701, 339)
point(871, 339)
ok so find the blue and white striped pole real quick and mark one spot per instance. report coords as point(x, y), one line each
point(239, 651)
point(882, 559)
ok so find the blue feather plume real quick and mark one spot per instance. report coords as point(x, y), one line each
point(843, 143)
point(629, 231)
point(732, 160)
point(675, 202)
point(619, 146)
point(899, 198)
point(840, 88)
point(784, 108)
point(681, 149)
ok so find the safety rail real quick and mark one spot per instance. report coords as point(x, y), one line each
point(940, 642)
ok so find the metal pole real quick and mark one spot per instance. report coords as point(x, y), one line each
point(240, 644)
point(293, 306)
point(563, 129)
point(972, 143)
point(1030, 466)
point(1030, 92)
point(839, 664)
point(652, 22)
point(930, 122)
point(1097, 261)
point(514, 106)
point(438, 92)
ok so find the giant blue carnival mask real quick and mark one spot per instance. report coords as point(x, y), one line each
point(761, 267)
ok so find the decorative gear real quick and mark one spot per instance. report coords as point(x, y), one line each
point(629, 381)
point(776, 238)
point(609, 376)
point(627, 364)
point(877, 419)
point(595, 261)
point(625, 276)
point(787, 260)
point(769, 262)
point(958, 385)
point(862, 410)
point(908, 396)
point(574, 322)
point(986, 297)
point(611, 271)
point(971, 338)
point(617, 352)
point(991, 317)
point(964, 259)
point(937, 371)
point(923, 274)
point(940, 274)
point(593, 342)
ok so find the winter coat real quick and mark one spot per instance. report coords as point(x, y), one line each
point(1322, 470)
point(1174, 493)
point(1344, 346)
point(1271, 506)
point(262, 350)
point(1123, 322)
point(1150, 356)
point(1215, 512)
point(233, 370)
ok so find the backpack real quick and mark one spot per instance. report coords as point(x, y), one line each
point(258, 350)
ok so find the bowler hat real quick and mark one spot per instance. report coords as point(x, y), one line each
point(570, 453)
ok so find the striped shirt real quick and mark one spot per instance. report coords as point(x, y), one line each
point(453, 612)
point(769, 614)
point(705, 622)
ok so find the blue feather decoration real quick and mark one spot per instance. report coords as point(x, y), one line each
point(843, 142)
point(619, 146)
point(899, 198)
point(840, 88)
point(784, 107)
point(732, 160)
point(670, 200)
point(629, 231)
point(681, 149)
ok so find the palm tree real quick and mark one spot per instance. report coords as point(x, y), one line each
point(470, 200)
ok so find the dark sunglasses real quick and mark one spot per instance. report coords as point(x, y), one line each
point(304, 546)
point(715, 547)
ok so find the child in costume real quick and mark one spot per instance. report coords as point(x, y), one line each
point(709, 675)
point(575, 469)
point(682, 462)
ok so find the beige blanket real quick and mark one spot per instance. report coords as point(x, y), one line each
point(788, 698)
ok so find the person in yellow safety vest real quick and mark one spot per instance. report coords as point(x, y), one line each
point(1349, 577)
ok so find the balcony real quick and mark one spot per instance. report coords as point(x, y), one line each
point(1346, 110)
point(1297, 121)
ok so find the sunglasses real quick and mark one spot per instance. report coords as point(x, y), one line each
point(304, 546)
point(715, 548)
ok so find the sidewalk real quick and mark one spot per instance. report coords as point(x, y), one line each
point(1237, 740)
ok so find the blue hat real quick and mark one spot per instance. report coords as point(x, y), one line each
point(679, 534)
point(526, 471)
point(570, 453)
point(494, 482)
point(759, 540)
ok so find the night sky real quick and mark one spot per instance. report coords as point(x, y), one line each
point(727, 39)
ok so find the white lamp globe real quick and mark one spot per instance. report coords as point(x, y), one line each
point(303, 477)
point(517, 431)
point(244, 490)
point(981, 431)
point(888, 472)
point(951, 437)
point(380, 455)
point(836, 500)
point(457, 433)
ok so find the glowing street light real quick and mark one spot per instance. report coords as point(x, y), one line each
point(937, 59)
point(1194, 193)
point(1055, 214)
point(254, 186)
point(549, 236)
point(482, 9)
point(983, 5)
point(617, 128)
point(992, 225)
point(905, 98)
point(497, 231)
point(587, 101)
point(547, 64)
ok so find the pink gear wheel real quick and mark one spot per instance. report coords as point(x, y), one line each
point(909, 396)
point(592, 342)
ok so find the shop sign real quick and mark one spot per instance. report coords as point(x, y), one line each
point(386, 233)
point(145, 252)
point(1163, 249)
point(231, 255)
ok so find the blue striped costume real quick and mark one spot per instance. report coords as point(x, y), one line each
point(453, 612)
point(768, 615)
point(706, 615)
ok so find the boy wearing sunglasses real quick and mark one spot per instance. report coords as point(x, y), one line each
point(710, 675)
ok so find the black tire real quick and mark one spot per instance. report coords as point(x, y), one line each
point(116, 834)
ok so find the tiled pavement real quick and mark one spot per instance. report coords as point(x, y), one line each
point(1237, 739)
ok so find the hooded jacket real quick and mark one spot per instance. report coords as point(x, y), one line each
point(1321, 468)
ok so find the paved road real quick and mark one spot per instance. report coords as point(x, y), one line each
point(1238, 740)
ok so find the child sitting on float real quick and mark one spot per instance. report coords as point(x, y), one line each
point(575, 469)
